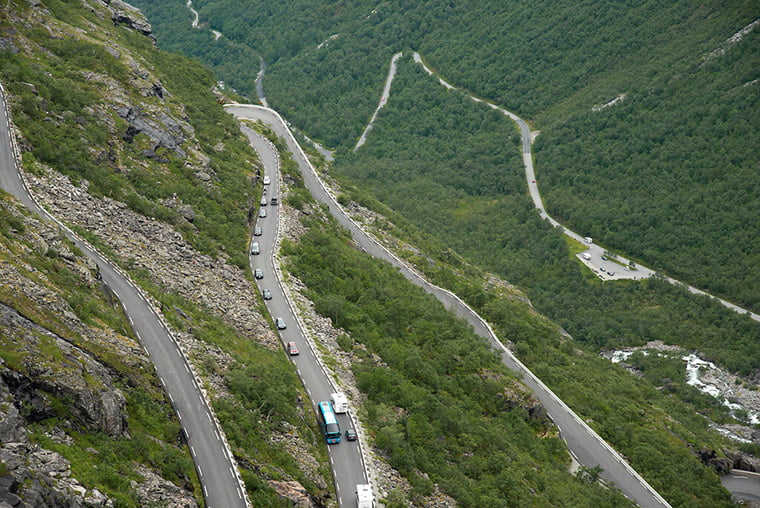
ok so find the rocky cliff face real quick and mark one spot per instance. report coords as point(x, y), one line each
point(52, 369)
point(130, 149)
point(58, 376)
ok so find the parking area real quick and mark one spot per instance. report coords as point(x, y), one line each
point(608, 269)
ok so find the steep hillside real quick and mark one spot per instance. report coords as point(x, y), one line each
point(667, 174)
point(83, 418)
point(453, 167)
point(129, 146)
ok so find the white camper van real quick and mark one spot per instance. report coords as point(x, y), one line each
point(339, 402)
point(364, 498)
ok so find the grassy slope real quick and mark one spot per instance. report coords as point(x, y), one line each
point(68, 121)
point(153, 429)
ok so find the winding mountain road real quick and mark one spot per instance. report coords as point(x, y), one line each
point(217, 471)
point(346, 457)
point(603, 268)
point(586, 446)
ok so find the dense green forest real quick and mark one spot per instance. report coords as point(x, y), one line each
point(667, 175)
point(430, 379)
point(497, 227)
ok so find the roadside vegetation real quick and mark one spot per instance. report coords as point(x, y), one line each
point(70, 121)
point(441, 404)
point(265, 399)
point(153, 437)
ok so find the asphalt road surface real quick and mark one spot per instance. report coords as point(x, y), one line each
point(216, 470)
point(345, 457)
point(744, 486)
point(601, 269)
point(586, 446)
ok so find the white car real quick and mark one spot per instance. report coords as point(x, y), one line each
point(258, 273)
point(267, 181)
point(255, 249)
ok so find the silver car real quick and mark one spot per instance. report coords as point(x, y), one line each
point(255, 249)
point(280, 323)
point(258, 273)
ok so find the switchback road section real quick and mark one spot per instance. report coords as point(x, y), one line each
point(346, 457)
point(586, 446)
point(217, 471)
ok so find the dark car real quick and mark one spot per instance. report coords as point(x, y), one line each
point(274, 200)
point(350, 435)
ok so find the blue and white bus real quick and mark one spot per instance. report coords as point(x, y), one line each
point(329, 422)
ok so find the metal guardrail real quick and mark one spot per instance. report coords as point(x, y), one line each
point(464, 305)
point(99, 257)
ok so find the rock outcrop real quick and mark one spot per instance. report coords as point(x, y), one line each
point(54, 370)
point(123, 13)
point(743, 461)
point(170, 136)
point(57, 373)
point(39, 477)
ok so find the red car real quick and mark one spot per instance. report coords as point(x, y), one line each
point(292, 349)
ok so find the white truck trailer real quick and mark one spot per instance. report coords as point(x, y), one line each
point(339, 402)
point(364, 497)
